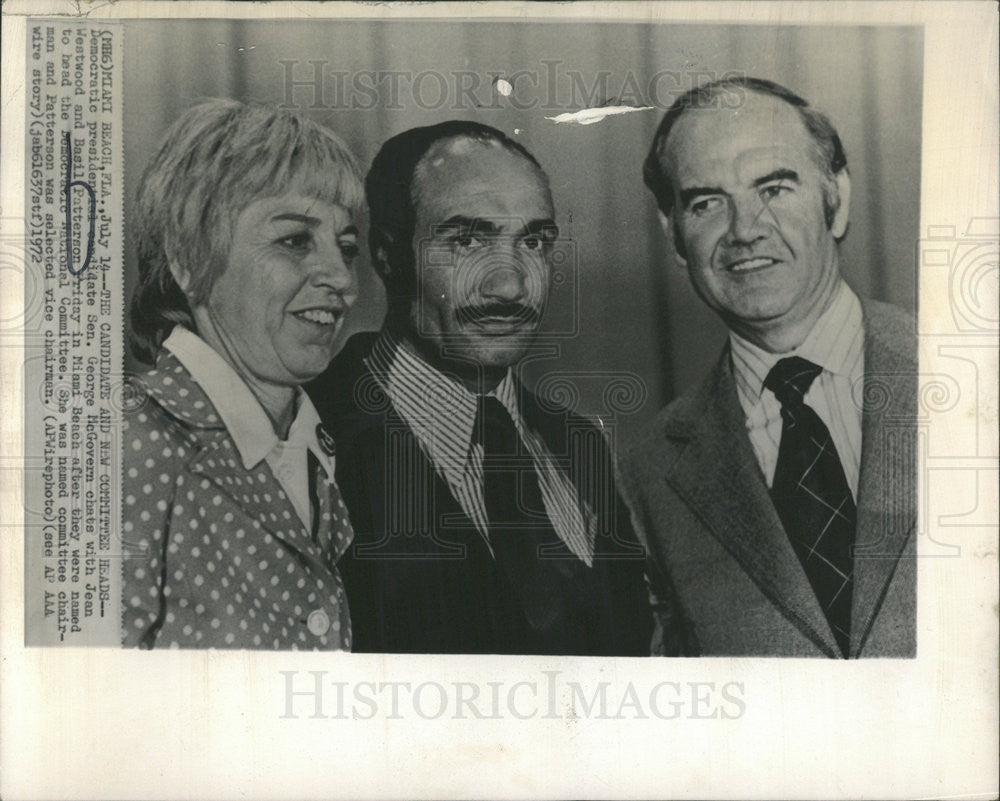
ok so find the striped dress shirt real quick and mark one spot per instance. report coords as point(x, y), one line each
point(441, 412)
point(837, 344)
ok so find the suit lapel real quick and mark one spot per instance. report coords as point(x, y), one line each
point(390, 484)
point(887, 485)
point(717, 475)
point(256, 491)
point(551, 425)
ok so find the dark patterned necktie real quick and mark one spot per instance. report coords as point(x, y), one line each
point(520, 533)
point(811, 495)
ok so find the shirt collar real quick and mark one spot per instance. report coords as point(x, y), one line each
point(245, 419)
point(437, 406)
point(834, 343)
point(303, 432)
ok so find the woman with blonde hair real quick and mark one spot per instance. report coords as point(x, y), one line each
point(233, 523)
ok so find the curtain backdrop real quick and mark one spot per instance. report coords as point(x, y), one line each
point(634, 335)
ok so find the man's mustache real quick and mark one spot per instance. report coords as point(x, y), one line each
point(512, 311)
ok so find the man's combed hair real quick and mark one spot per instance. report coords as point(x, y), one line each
point(214, 161)
point(830, 154)
point(389, 191)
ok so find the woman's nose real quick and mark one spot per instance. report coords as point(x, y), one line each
point(332, 269)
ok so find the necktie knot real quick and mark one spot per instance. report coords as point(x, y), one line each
point(790, 380)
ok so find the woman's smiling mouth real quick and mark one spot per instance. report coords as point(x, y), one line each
point(324, 317)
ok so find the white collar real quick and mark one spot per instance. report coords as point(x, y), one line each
point(240, 411)
point(437, 407)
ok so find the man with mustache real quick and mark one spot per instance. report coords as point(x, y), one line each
point(485, 520)
point(777, 499)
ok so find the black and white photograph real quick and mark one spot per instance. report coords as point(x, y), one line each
point(558, 383)
point(511, 271)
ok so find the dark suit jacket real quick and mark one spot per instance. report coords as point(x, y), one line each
point(419, 575)
point(720, 562)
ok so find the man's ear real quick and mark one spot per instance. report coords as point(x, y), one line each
point(841, 215)
point(181, 275)
point(382, 242)
point(670, 232)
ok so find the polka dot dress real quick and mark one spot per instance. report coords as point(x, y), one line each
point(216, 556)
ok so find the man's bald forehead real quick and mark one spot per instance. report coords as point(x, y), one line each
point(487, 159)
point(462, 147)
point(459, 146)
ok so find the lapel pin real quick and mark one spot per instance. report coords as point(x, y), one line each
point(325, 440)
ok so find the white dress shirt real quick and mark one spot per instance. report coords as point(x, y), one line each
point(837, 344)
point(441, 412)
point(248, 423)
